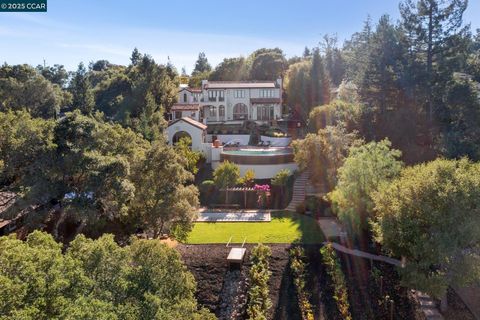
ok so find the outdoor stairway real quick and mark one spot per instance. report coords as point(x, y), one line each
point(427, 306)
point(299, 187)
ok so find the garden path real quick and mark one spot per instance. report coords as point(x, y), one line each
point(427, 304)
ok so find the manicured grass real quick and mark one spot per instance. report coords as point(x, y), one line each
point(284, 228)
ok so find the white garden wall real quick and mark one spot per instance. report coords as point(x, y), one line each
point(277, 142)
point(224, 138)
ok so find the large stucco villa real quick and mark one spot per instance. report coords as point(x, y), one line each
point(221, 113)
point(230, 102)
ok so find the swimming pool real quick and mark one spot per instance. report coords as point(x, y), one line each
point(258, 156)
point(259, 151)
point(265, 162)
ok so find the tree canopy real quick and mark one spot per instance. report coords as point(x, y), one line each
point(363, 171)
point(323, 153)
point(96, 171)
point(429, 215)
point(94, 279)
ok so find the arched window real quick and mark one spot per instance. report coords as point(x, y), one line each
point(213, 112)
point(240, 112)
point(185, 97)
point(221, 112)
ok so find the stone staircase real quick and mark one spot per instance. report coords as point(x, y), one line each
point(427, 306)
point(299, 187)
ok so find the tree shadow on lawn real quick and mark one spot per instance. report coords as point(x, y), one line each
point(310, 232)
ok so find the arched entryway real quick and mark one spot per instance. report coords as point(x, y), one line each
point(240, 112)
point(179, 135)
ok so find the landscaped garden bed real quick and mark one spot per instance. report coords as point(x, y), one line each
point(208, 265)
point(366, 294)
point(374, 290)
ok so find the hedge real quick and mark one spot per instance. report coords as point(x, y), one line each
point(258, 294)
point(334, 270)
point(298, 268)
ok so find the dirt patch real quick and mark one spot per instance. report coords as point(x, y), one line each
point(374, 290)
point(457, 310)
point(209, 266)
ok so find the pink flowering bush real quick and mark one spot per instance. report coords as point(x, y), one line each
point(263, 194)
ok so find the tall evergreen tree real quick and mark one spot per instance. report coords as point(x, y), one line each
point(320, 82)
point(136, 57)
point(82, 91)
point(356, 52)
point(379, 86)
point(307, 53)
point(433, 26)
point(334, 62)
point(202, 64)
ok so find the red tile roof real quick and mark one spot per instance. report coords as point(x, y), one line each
point(191, 122)
point(185, 107)
point(191, 89)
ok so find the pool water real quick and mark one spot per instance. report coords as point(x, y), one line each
point(258, 152)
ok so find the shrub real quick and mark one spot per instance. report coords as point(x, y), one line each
point(248, 179)
point(312, 204)
point(207, 186)
point(300, 208)
point(258, 294)
point(334, 270)
point(226, 175)
point(298, 268)
point(207, 191)
point(275, 133)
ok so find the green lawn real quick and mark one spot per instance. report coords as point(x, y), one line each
point(284, 228)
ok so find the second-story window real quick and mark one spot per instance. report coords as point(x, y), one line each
point(212, 95)
point(239, 94)
point(221, 96)
point(185, 97)
point(266, 93)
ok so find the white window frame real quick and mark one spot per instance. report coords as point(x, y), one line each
point(239, 94)
point(212, 111)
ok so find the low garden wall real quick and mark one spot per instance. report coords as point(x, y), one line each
point(224, 138)
point(277, 142)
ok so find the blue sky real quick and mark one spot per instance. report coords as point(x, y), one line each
point(87, 30)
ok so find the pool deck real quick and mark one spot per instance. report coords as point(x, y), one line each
point(207, 215)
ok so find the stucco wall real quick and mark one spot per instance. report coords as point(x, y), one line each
point(195, 133)
point(224, 138)
point(267, 171)
point(187, 113)
point(277, 142)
